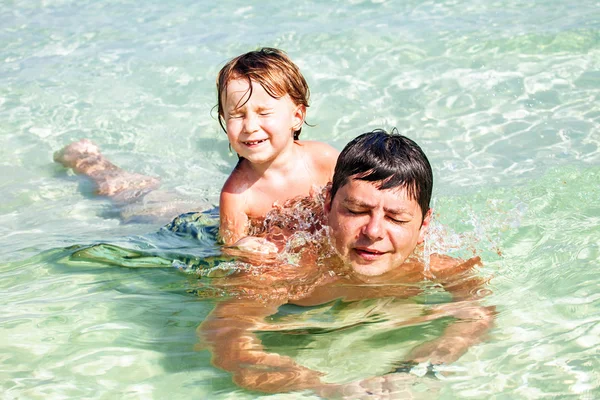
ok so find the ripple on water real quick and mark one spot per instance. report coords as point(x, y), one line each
point(502, 95)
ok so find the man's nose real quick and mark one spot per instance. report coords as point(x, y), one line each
point(373, 227)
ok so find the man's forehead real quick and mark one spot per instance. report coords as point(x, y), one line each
point(400, 191)
point(370, 194)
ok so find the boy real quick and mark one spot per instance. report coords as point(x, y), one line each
point(262, 101)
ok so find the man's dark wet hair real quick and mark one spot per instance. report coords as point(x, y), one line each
point(390, 160)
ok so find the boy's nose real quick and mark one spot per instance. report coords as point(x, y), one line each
point(251, 123)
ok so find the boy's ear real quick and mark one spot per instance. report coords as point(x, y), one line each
point(424, 226)
point(222, 121)
point(299, 116)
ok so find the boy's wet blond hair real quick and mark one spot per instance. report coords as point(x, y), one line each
point(273, 70)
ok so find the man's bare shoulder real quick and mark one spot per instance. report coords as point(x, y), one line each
point(443, 266)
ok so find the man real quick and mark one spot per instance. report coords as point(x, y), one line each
point(378, 212)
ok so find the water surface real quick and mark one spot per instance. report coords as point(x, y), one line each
point(503, 97)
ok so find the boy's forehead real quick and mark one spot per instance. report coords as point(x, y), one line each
point(237, 92)
point(244, 87)
point(236, 84)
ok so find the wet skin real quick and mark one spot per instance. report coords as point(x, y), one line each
point(260, 127)
point(374, 230)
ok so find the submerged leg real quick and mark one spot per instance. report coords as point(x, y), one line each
point(85, 159)
point(133, 195)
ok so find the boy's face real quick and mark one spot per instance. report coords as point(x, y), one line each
point(374, 230)
point(261, 127)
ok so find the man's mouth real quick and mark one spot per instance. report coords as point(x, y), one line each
point(368, 254)
point(251, 143)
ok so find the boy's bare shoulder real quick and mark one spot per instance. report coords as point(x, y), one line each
point(315, 146)
point(231, 194)
point(237, 182)
point(324, 155)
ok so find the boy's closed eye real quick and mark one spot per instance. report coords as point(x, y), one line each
point(264, 111)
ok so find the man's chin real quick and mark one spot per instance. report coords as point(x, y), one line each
point(368, 269)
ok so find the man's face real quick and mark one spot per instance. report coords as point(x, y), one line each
point(374, 230)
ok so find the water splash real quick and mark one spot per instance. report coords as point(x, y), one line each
point(477, 231)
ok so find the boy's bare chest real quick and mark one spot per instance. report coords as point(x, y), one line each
point(280, 190)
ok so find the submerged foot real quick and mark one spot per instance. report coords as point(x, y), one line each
point(70, 155)
point(84, 158)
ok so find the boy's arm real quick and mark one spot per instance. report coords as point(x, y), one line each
point(232, 213)
point(233, 229)
point(228, 332)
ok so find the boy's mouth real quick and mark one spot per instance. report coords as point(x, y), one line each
point(254, 142)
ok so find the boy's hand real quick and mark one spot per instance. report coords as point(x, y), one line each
point(253, 244)
point(253, 249)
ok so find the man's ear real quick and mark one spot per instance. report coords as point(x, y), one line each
point(424, 226)
point(327, 204)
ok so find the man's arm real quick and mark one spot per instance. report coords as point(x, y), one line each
point(229, 333)
point(473, 320)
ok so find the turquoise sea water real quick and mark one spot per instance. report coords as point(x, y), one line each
point(503, 96)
